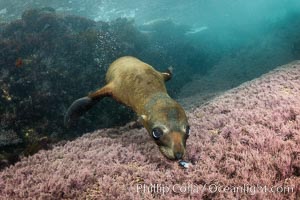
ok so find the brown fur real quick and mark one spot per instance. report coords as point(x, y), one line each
point(142, 88)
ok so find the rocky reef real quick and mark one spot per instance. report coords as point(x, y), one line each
point(48, 60)
point(244, 144)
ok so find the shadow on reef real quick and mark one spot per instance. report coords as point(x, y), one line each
point(48, 60)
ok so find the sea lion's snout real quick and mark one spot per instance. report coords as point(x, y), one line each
point(177, 141)
point(171, 143)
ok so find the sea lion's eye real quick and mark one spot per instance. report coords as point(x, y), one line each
point(187, 130)
point(157, 133)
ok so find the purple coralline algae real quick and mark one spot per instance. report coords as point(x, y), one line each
point(244, 144)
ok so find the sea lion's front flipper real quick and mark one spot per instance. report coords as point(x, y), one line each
point(167, 75)
point(80, 106)
point(106, 91)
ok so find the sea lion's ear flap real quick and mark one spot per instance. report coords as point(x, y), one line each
point(167, 75)
point(144, 118)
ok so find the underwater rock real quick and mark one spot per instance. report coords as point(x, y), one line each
point(246, 138)
point(42, 53)
point(44, 50)
point(49, 59)
point(31, 15)
point(8, 138)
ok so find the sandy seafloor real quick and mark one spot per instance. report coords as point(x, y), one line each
point(244, 144)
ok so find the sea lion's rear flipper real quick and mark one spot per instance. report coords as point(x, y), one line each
point(167, 75)
point(80, 106)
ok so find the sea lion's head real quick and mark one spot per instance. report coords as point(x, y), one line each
point(169, 128)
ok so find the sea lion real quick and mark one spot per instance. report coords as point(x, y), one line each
point(140, 87)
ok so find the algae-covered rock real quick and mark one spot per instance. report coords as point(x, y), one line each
point(9, 138)
point(48, 60)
